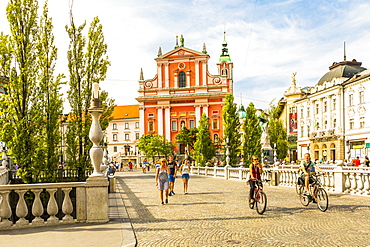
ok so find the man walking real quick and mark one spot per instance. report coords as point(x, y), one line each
point(172, 166)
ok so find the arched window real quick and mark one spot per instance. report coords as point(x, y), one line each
point(224, 72)
point(182, 124)
point(215, 138)
point(182, 79)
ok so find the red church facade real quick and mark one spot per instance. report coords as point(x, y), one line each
point(182, 90)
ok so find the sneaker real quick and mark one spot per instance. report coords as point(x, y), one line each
point(185, 192)
point(166, 201)
point(170, 194)
point(162, 203)
point(251, 201)
point(173, 193)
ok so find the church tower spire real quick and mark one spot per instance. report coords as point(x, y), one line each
point(225, 51)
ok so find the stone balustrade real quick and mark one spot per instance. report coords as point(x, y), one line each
point(337, 178)
point(4, 176)
point(30, 205)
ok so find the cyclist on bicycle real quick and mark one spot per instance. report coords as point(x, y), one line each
point(308, 167)
point(255, 171)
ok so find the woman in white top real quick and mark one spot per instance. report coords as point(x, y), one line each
point(161, 180)
point(185, 171)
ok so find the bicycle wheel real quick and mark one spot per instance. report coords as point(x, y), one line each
point(261, 203)
point(305, 200)
point(322, 199)
point(299, 188)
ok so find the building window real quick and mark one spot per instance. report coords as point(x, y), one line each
point(215, 124)
point(127, 137)
point(317, 126)
point(191, 123)
point(114, 137)
point(127, 126)
point(151, 126)
point(308, 111)
point(174, 125)
point(325, 106)
point(182, 79)
point(351, 124)
point(350, 100)
point(334, 123)
point(137, 136)
point(362, 122)
point(334, 104)
point(302, 131)
point(182, 125)
point(325, 125)
point(317, 109)
point(361, 98)
point(115, 149)
point(302, 113)
point(224, 72)
point(308, 131)
point(137, 125)
point(114, 126)
point(215, 138)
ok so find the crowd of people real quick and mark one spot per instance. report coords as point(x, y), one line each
point(165, 177)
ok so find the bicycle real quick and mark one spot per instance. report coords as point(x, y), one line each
point(315, 188)
point(260, 198)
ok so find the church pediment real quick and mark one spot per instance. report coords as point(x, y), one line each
point(182, 52)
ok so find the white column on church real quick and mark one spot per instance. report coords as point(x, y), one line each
point(166, 75)
point(159, 73)
point(188, 78)
point(329, 113)
point(204, 73)
point(160, 120)
point(197, 115)
point(142, 120)
point(197, 73)
point(205, 110)
point(167, 121)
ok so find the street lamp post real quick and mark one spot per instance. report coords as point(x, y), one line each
point(96, 133)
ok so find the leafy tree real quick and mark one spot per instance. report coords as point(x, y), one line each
point(87, 63)
point(277, 132)
point(187, 137)
point(33, 102)
point(155, 145)
point(231, 129)
point(252, 134)
point(204, 148)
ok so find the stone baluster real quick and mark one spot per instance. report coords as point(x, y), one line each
point(360, 183)
point(347, 184)
point(52, 207)
point(353, 182)
point(366, 184)
point(292, 178)
point(281, 179)
point(331, 181)
point(5, 209)
point(67, 206)
point(37, 208)
point(21, 209)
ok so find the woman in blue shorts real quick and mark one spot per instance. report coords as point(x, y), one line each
point(185, 170)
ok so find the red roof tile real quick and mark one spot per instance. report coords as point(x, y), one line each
point(126, 111)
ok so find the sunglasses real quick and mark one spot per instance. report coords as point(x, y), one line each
point(163, 161)
point(255, 159)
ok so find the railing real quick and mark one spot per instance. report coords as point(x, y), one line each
point(4, 176)
point(337, 178)
point(29, 205)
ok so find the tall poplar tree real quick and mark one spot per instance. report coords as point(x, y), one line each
point(87, 63)
point(277, 132)
point(231, 129)
point(204, 148)
point(252, 135)
point(31, 106)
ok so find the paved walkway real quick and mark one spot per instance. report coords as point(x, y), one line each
point(215, 213)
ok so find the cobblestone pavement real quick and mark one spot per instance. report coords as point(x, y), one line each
point(216, 213)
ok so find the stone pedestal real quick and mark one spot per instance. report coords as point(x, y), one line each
point(97, 199)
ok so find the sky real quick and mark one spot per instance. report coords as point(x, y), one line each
point(268, 40)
